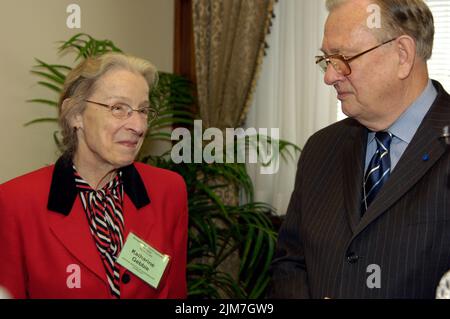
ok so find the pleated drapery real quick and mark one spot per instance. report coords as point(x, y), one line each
point(229, 39)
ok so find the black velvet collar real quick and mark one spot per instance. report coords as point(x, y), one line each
point(63, 191)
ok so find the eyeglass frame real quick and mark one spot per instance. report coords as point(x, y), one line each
point(346, 60)
point(110, 107)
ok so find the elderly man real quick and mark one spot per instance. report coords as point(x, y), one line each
point(370, 213)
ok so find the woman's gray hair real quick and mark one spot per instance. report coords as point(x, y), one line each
point(399, 17)
point(81, 82)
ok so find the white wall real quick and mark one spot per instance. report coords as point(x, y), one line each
point(31, 28)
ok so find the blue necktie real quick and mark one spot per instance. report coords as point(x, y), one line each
point(378, 170)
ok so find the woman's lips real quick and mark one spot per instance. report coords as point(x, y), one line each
point(130, 144)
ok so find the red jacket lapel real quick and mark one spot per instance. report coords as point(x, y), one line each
point(73, 232)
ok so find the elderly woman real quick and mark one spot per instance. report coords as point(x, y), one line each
point(96, 224)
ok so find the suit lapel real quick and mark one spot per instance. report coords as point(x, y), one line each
point(353, 169)
point(138, 222)
point(73, 232)
point(412, 166)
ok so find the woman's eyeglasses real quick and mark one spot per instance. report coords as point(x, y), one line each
point(124, 111)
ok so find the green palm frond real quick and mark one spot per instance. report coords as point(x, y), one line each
point(86, 46)
point(44, 101)
point(42, 120)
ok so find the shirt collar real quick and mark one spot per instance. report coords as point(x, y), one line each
point(63, 190)
point(407, 124)
point(83, 186)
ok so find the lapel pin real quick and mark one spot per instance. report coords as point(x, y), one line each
point(446, 134)
point(425, 157)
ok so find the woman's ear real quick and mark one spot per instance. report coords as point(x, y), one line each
point(75, 121)
point(407, 55)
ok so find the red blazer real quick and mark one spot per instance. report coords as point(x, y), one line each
point(47, 249)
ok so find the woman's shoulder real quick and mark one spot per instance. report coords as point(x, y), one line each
point(163, 176)
point(32, 181)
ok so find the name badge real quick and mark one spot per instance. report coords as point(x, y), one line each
point(143, 260)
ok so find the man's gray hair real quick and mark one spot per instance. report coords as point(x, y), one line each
point(399, 17)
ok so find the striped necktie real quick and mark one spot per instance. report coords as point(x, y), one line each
point(378, 170)
point(104, 212)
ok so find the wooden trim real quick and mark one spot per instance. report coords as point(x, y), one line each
point(184, 56)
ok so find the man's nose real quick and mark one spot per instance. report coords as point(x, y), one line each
point(332, 76)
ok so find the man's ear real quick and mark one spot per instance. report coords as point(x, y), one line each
point(75, 121)
point(407, 55)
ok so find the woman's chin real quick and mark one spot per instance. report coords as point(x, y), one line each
point(123, 161)
point(121, 156)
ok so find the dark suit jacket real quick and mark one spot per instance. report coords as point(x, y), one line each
point(325, 249)
point(44, 234)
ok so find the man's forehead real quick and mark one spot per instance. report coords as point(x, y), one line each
point(349, 15)
point(344, 30)
point(346, 18)
point(345, 40)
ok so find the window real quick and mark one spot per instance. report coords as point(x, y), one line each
point(439, 64)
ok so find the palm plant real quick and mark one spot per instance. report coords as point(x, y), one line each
point(220, 233)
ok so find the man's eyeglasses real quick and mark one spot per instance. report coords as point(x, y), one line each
point(341, 62)
point(124, 111)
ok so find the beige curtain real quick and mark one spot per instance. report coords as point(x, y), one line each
point(229, 39)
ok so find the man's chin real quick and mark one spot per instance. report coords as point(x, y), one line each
point(347, 109)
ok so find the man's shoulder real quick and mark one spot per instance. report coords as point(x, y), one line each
point(337, 131)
